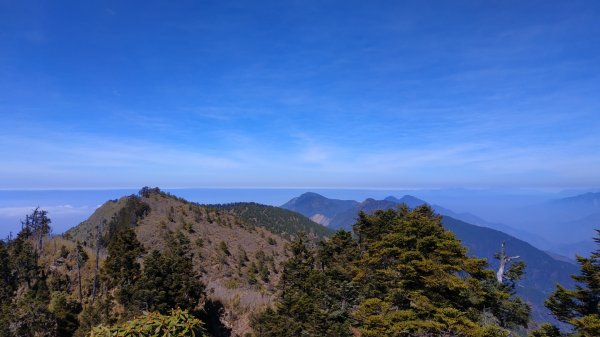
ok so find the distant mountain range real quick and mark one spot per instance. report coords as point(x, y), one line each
point(568, 223)
point(542, 272)
point(322, 210)
point(253, 229)
point(335, 214)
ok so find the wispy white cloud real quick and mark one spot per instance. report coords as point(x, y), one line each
point(55, 210)
point(93, 151)
point(306, 159)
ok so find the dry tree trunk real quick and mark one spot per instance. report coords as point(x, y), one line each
point(504, 260)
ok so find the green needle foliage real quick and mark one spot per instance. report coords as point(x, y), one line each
point(401, 274)
point(312, 302)
point(168, 280)
point(24, 292)
point(121, 268)
point(579, 307)
point(417, 280)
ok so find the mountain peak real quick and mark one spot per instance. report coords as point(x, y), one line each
point(311, 195)
point(407, 199)
point(311, 204)
point(589, 197)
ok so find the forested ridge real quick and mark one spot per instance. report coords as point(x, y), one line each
point(162, 266)
point(277, 220)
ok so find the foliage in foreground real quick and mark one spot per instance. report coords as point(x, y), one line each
point(400, 275)
point(579, 307)
point(178, 323)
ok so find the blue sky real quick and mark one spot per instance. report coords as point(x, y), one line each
point(341, 94)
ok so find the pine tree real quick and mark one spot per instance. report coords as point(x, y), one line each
point(128, 216)
point(31, 317)
point(579, 307)
point(184, 283)
point(310, 302)
point(168, 280)
point(403, 275)
point(37, 224)
point(24, 258)
point(24, 292)
point(7, 288)
point(416, 280)
point(7, 279)
point(121, 267)
point(65, 310)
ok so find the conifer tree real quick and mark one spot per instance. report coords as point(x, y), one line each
point(65, 311)
point(25, 300)
point(169, 280)
point(121, 266)
point(403, 275)
point(417, 280)
point(310, 302)
point(81, 258)
point(7, 288)
point(24, 259)
point(579, 307)
point(7, 281)
point(37, 224)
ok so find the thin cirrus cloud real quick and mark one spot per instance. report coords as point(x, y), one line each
point(58, 210)
point(297, 94)
point(133, 163)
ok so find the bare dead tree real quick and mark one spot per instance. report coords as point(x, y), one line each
point(504, 260)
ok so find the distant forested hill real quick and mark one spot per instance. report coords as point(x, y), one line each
point(275, 219)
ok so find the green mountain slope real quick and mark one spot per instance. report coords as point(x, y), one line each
point(275, 219)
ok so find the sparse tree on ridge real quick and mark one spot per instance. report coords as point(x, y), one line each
point(38, 224)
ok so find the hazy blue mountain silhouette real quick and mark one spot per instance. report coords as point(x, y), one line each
point(569, 223)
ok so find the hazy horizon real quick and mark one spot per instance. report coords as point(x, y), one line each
point(69, 207)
